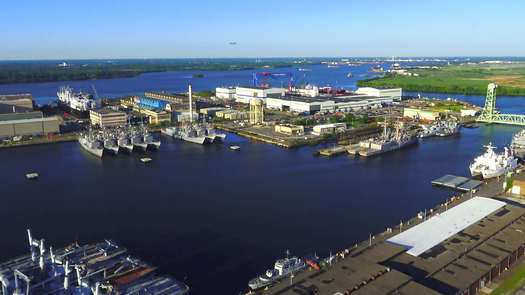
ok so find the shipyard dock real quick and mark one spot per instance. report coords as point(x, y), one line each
point(92, 269)
point(459, 247)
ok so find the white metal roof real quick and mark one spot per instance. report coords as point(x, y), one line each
point(435, 230)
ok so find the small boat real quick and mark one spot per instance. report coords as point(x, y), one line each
point(32, 176)
point(146, 160)
point(349, 75)
point(235, 147)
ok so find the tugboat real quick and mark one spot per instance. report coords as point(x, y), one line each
point(282, 268)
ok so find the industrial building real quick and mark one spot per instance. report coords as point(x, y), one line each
point(292, 130)
point(185, 116)
point(325, 104)
point(256, 111)
point(422, 114)
point(29, 127)
point(24, 101)
point(107, 117)
point(168, 97)
point(211, 111)
point(156, 116)
point(329, 129)
point(246, 94)
point(395, 93)
point(456, 251)
point(229, 114)
point(157, 110)
point(225, 93)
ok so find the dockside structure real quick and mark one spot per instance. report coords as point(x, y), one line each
point(472, 254)
point(93, 269)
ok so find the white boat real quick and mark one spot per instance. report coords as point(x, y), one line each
point(235, 147)
point(490, 164)
point(282, 268)
point(32, 176)
point(79, 103)
point(146, 160)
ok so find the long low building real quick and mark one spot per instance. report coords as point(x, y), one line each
point(246, 94)
point(32, 127)
point(24, 100)
point(325, 104)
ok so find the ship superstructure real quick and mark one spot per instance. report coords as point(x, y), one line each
point(389, 140)
point(123, 138)
point(79, 103)
point(91, 142)
point(94, 269)
point(491, 164)
point(282, 268)
point(518, 144)
point(440, 128)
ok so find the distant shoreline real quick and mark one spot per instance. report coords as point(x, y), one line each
point(469, 79)
point(37, 72)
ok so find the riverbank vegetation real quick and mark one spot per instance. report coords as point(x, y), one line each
point(459, 79)
point(50, 71)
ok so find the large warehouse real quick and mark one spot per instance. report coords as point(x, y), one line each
point(246, 94)
point(325, 104)
point(457, 251)
point(33, 127)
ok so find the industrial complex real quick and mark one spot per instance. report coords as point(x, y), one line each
point(454, 250)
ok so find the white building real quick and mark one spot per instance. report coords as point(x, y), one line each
point(326, 104)
point(394, 93)
point(328, 129)
point(226, 93)
point(245, 94)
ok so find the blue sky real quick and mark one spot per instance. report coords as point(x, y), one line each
point(59, 29)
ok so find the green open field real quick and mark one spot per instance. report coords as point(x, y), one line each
point(512, 283)
point(459, 79)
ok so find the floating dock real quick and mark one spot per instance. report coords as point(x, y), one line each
point(333, 151)
point(457, 182)
point(93, 269)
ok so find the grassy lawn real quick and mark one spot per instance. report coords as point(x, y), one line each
point(463, 79)
point(512, 283)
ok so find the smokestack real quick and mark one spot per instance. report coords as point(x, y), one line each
point(191, 104)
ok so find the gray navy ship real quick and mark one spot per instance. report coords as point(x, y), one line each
point(283, 268)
